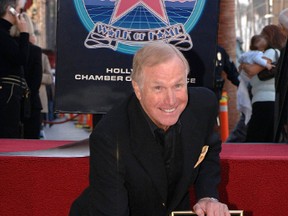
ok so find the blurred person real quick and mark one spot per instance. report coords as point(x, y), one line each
point(147, 152)
point(258, 44)
point(283, 20)
point(33, 74)
point(13, 57)
point(47, 79)
point(260, 126)
point(255, 55)
point(224, 64)
point(281, 79)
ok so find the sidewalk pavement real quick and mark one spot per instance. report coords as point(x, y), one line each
point(64, 131)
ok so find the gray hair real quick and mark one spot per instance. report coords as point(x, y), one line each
point(152, 54)
point(6, 3)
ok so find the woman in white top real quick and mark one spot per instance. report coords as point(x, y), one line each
point(261, 124)
point(258, 45)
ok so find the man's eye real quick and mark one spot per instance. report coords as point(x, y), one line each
point(178, 86)
point(158, 88)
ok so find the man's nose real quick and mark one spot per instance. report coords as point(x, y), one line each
point(170, 97)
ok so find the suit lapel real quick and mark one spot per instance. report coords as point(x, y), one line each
point(146, 150)
point(190, 135)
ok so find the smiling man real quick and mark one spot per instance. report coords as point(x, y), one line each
point(146, 153)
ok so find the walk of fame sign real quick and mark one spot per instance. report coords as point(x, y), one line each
point(96, 40)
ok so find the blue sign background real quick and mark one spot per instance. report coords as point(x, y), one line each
point(95, 51)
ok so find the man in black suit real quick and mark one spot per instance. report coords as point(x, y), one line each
point(146, 153)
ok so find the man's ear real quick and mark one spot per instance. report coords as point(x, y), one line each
point(137, 90)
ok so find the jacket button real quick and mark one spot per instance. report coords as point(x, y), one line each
point(163, 204)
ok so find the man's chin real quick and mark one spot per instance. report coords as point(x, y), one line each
point(168, 124)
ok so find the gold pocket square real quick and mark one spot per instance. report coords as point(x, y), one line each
point(202, 155)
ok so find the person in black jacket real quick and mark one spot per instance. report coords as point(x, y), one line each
point(31, 117)
point(13, 56)
point(224, 64)
point(146, 153)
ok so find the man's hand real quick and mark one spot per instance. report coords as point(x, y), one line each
point(21, 24)
point(210, 207)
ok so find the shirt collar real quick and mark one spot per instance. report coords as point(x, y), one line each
point(153, 127)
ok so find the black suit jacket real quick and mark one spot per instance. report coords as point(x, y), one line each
point(127, 172)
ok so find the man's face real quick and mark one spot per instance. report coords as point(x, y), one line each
point(163, 95)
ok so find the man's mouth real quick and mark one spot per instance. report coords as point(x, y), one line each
point(169, 110)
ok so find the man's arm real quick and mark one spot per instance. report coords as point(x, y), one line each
point(209, 177)
point(207, 183)
point(108, 195)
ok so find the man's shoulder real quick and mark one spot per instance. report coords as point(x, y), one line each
point(117, 115)
point(116, 124)
point(202, 106)
point(199, 92)
point(201, 98)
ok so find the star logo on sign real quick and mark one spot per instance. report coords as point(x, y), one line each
point(123, 7)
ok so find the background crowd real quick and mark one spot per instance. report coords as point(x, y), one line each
point(257, 109)
point(25, 73)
